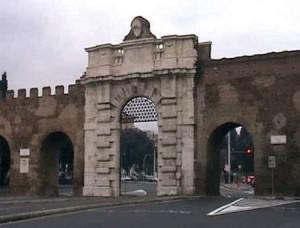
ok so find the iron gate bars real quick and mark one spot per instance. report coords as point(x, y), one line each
point(139, 109)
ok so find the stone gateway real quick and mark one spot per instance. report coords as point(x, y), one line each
point(197, 100)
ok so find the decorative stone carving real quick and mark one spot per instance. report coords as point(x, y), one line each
point(140, 28)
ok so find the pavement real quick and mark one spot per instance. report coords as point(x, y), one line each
point(237, 187)
point(20, 208)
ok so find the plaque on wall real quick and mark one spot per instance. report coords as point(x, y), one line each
point(24, 152)
point(24, 165)
point(278, 139)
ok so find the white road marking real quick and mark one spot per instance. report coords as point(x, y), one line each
point(215, 212)
point(232, 209)
point(246, 205)
point(169, 211)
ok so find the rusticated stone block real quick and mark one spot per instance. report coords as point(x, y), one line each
point(101, 170)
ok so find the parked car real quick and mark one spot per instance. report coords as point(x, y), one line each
point(151, 178)
point(125, 178)
point(250, 180)
point(244, 179)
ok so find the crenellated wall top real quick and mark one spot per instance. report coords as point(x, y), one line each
point(45, 92)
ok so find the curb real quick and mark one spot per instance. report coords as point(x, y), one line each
point(234, 188)
point(34, 214)
point(278, 197)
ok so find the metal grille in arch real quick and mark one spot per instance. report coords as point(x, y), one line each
point(139, 109)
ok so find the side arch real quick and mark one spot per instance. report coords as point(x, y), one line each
point(213, 147)
point(53, 147)
point(5, 162)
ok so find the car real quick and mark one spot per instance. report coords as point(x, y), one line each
point(125, 178)
point(250, 179)
point(151, 178)
point(244, 179)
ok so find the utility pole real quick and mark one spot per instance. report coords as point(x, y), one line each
point(229, 157)
point(1, 180)
point(154, 162)
point(154, 154)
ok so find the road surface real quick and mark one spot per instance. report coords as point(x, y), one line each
point(190, 213)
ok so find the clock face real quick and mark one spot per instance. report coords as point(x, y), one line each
point(136, 27)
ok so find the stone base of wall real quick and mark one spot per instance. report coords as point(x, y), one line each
point(167, 191)
point(97, 191)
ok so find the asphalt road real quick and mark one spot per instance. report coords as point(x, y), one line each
point(173, 214)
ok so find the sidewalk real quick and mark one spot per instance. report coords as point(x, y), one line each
point(18, 208)
point(234, 186)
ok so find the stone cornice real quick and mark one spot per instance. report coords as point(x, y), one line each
point(142, 41)
point(179, 72)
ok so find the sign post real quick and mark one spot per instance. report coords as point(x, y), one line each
point(272, 166)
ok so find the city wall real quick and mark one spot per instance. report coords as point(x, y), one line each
point(27, 119)
point(261, 93)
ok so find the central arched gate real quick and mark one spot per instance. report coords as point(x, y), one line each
point(142, 66)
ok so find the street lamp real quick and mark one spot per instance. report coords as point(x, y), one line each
point(144, 160)
point(229, 157)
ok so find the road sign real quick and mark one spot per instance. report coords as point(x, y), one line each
point(271, 161)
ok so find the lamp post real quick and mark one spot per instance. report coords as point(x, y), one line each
point(229, 157)
point(144, 161)
point(1, 180)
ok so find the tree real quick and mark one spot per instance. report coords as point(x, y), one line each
point(134, 146)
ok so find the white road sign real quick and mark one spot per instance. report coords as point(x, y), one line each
point(272, 161)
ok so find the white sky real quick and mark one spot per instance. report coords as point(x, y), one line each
point(147, 126)
point(42, 41)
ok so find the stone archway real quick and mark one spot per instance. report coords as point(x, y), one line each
point(4, 162)
point(213, 167)
point(56, 162)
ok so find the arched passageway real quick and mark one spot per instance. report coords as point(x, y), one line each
point(4, 162)
point(57, 165)
point(230, 163)
point(138, 147)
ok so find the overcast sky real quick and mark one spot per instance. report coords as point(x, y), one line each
point(42, 41)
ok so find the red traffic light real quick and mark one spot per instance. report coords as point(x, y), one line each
point(248, 151)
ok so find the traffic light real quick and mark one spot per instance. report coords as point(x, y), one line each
point(248, 151)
